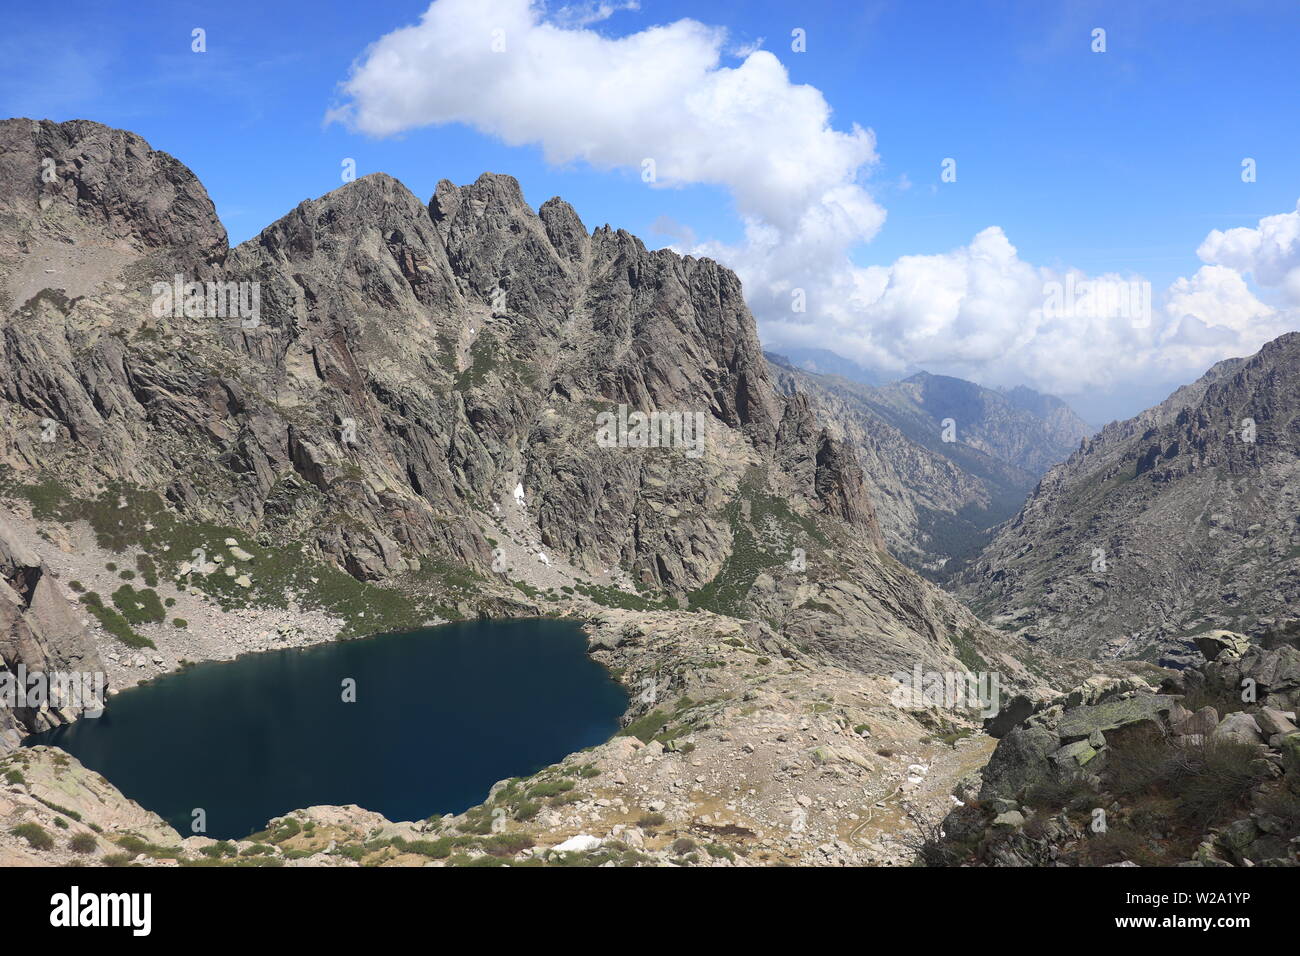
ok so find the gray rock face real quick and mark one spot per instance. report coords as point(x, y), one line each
point(1220, 642)
point(1238, 727)
point(40, 634)
point(1020, 761)
point(1013, 712)
point(1082, 722)
point(1273, 721)
point(103, 192)
point(1201, 723)
point(1177, 522)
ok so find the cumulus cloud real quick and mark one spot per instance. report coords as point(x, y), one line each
point(983, 313)
point(1270, 253)
point(664, 94)
point(661, 94)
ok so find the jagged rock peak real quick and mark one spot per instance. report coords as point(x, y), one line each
point(81, 183)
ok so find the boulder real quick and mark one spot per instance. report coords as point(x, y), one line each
point(1216, 643)
point(1082, 722)
point(1240, 727)
point(1202, 722)
point(1275, 671)
point(582, 843)
point(1272, 722)
point(1073, 755)
point(1012, 713)
point(1019, 761)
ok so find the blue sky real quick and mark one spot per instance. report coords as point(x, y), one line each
point(1116, 162)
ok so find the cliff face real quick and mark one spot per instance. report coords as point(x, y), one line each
point(1175, 522)
point(41, 636)
point(389, 383)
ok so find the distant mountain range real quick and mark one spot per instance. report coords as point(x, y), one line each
point(826, 362)
point(948, 459)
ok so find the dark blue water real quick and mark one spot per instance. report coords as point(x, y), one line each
point(440, 715)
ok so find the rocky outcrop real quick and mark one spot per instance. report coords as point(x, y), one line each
point(80, 203)
point(1177, 523)
point(44, 649)
point(1117, 773)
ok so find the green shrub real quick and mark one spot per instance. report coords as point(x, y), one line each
point(719, 851)
point(1117, 845)
point(139, 607)
point(83, 843)
point(135, 846)
point(35, 836)
point(1207, 780)
point(644, 728)
point(1212, 778)
point(1067, 791)
point(14, 777)
point(550, 788)
point(113, 622)
point(148, 570)
point(507, 844)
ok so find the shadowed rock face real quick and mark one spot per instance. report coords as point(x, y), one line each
point(409, 366)
point(1192, 505)
point(40, 632)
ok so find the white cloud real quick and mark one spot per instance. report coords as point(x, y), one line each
point(512, 71)
point(982, 312)
point(589, 12)
point(1270, 253)
point(660, 94)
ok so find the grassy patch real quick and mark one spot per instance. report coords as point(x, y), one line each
point(35, 836)
point(113, 622)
